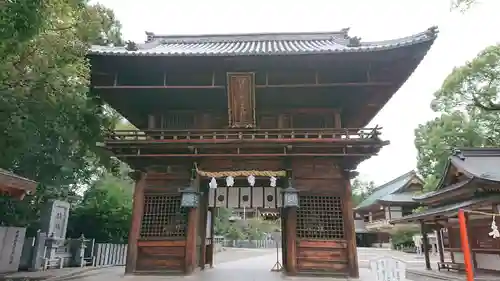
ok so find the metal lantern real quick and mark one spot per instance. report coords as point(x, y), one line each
point(290, 196)
point(190, 197)
point(213, 183)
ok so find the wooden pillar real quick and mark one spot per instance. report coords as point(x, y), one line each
point(425, 241)
point(135, 227)
point(439, 236)
point(190, 255)
point(212, 241)
point(350, 232)
point(464, 241)
point(203, 219)
point(291, 240)
point(283, 238)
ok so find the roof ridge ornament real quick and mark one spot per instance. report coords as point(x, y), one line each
point(458, 153)
point(432, 31)
point(353, 41)
point(131, 46)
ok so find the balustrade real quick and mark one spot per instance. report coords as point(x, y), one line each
point(244, 134)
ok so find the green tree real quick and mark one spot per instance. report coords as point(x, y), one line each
point(107, 207)
point(222, 223)
point(234, 232)
point(49, 120)
point(361, 190)
point(469, 116)
point(403, 238)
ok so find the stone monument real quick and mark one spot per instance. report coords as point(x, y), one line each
point(54, 222)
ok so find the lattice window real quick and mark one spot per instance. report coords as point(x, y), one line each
point(163, 217)
point(320, 217)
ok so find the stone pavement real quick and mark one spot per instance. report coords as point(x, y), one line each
point(240, 264)
point(249, 265)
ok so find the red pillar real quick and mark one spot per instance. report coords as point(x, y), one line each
point(464, 239)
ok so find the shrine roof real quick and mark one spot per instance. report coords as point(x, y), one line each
point(447, 210)
point(405, 197)
point(441, 191)
point(10, 180)
point(391, 191)
point(474, 163)
point(261, 44)
point(480, 163)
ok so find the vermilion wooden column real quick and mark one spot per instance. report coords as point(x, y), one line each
point(464, 239)
point(135, 228)
point(350, 232)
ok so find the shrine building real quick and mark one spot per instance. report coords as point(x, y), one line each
point(274, 122)
point(389, 201)
point(470, 182)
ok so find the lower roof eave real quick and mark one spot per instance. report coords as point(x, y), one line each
point(444, 211)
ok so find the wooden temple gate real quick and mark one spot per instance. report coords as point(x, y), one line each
point(288, 106)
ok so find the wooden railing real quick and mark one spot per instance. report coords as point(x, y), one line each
point(243, 134)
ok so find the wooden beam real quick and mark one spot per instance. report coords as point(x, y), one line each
point(249, 155)
point(161, 87)
point(261, 86)
point(345, 84)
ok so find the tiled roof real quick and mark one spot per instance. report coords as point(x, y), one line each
point(405, 197)
point(11, 179)
point(480, 163)
point(10, 174)
point(438, 192)
point(387, 189)
point(448, 210)
point(261, 44)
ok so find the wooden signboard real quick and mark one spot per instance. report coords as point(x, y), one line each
point(241, 100)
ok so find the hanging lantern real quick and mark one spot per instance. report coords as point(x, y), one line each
point(272, 181)
point(190, 198)
point(290, 196)
point(213, 184)
point(229, 181)
point(251, 180)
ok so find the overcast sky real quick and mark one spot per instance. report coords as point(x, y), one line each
point(461, 37)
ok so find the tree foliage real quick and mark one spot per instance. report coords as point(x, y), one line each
point(467, 103)
point(361, 190)
point(50, 122)
point(107, 207)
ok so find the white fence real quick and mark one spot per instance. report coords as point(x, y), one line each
point(109, 254)
point(255, 244)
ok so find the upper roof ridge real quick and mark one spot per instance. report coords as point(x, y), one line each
point(405, 175)
point(245, 37)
